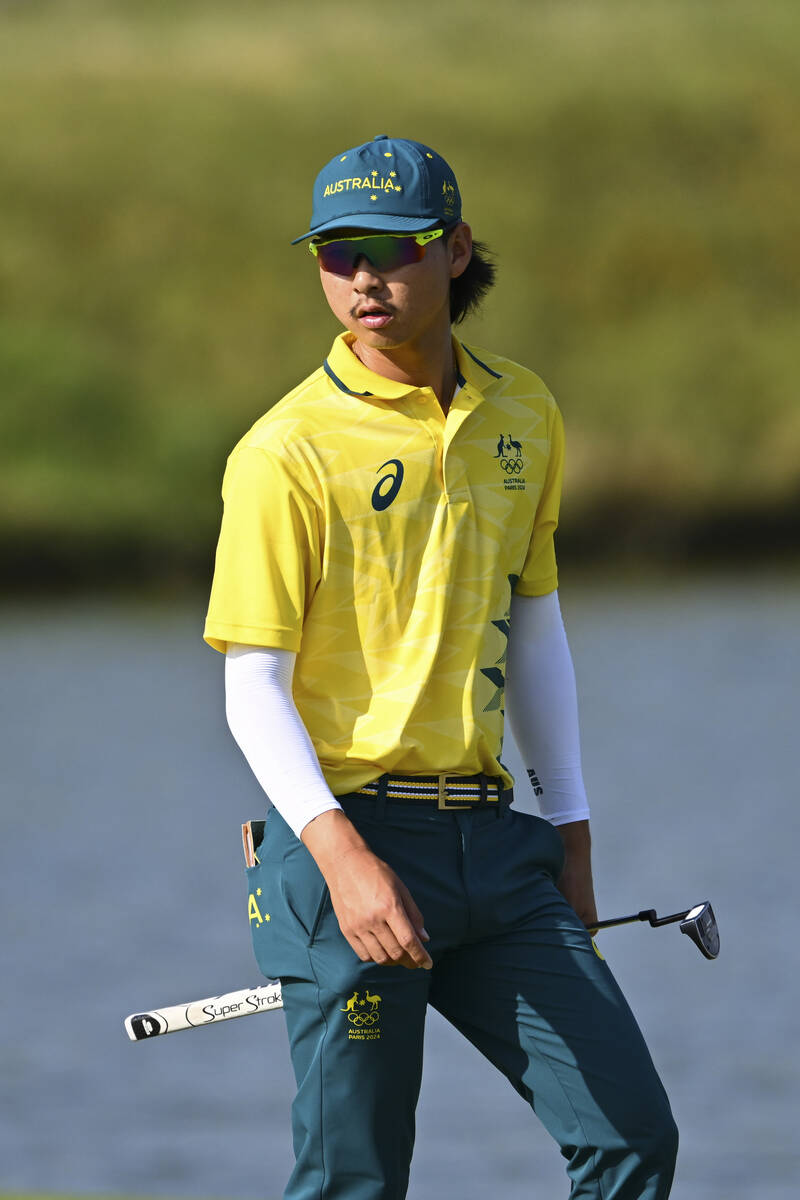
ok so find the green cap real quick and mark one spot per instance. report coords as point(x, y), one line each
point(389, 184)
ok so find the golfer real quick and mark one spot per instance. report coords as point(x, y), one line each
point(385, 586)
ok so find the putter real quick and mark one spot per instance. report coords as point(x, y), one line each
point(698, 923)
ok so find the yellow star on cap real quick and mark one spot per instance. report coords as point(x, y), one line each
point(373, 197)
point(258, 891)
point(267, 917)
point(392, 174)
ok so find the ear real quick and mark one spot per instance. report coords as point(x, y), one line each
point(459, 246)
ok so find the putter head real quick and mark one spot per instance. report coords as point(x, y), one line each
point(701, 926)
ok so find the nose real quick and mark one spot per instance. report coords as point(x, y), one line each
point(366, 277)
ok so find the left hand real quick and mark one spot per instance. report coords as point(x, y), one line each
point(576, 884)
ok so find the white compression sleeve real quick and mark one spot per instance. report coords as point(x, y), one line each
point(542, 705)
point(264, 720)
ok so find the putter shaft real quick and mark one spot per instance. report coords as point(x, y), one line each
point(646, 914)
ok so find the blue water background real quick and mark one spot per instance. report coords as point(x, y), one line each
point(121, 889)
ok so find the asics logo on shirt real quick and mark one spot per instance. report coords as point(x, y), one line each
point(388, 485)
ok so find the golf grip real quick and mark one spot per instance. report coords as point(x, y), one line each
point(243, 1003)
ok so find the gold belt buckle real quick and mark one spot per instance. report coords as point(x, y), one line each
point(442, 800)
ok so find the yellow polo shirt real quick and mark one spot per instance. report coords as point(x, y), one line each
point(381, 542)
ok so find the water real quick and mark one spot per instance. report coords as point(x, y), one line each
point(121, 888)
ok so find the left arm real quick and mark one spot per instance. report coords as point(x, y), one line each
point(543, 714)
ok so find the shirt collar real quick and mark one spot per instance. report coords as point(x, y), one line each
point(349, 374)
point(470, 369)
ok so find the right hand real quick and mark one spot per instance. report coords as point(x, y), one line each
point(375, 910)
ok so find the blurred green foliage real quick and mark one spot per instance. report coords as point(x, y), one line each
point(634, 166)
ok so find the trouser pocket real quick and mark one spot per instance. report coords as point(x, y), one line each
point(287, 899)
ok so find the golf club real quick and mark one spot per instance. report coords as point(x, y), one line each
point(698, 923)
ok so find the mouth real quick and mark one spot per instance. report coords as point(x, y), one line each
point(374, 316)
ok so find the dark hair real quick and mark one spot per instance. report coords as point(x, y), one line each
point(468, 290)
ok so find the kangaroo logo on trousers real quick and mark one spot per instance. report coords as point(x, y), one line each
point(363, 1017)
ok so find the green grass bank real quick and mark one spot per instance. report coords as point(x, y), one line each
point(635, 168)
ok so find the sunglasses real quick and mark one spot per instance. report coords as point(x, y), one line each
point(386, 251)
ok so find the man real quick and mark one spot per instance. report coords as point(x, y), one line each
point(385, 581)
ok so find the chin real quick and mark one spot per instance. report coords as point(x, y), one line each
point(377, 339)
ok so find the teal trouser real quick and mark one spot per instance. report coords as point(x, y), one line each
point(514, 970)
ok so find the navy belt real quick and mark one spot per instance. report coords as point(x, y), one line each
point(446, 792)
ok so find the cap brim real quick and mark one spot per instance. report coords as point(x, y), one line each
point(381, 222)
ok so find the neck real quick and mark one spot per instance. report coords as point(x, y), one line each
point(429, 362)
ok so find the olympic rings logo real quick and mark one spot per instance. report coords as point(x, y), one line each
point(356, 1018)
point(511, 466)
